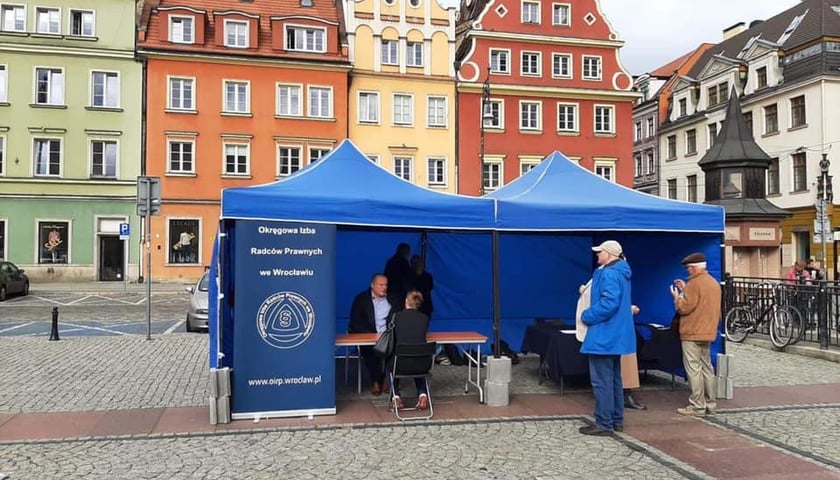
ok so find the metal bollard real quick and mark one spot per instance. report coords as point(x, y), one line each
point(54, 327)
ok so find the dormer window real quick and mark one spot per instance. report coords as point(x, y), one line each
point(683, 107)
point(236, 34)
point(181, 29)
point(305, 39)
point(718, 94)
point(761, 77)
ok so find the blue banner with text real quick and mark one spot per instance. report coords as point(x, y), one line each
point(284, 319)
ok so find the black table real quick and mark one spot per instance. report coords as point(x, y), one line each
point(558, 349)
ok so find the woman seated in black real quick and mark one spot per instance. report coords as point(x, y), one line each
point(411, 326)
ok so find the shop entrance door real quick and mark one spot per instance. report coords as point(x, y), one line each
point(111, 258)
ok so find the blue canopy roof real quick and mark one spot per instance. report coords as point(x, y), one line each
point(346, 188)
point(560, 195)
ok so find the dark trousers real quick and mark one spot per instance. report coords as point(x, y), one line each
point(373, 364)
point(605, 373)
point(419, 383)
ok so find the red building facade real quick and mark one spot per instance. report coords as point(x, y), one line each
point(540, 76)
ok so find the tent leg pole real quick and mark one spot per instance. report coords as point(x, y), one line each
point(497, 339)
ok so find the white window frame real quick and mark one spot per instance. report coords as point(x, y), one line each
point(280, 159)
point(436, 167)
point(403, 122)
point(596, 120)
point(390, 52)
point(501, 52)
point(487, 182)
point(315, 40)
point(585, 71)
point(238, 102)
point(434, 117)
point(373, 157)
point(62, 89)
point(3, 158)
point(310, 99)
point(501, 107)
point(325, 150)
point(605, 164)
point(60, 156)
point(526, 166)
point(48, 11)
point(558, 21)
point(187, 141)
point(530, 103)
point(116, 143)
point(183, 19)
point(575, 118)
point(169, 105)
point(400, 172)
point(237, 154)
point(555, 56)
point(531, 17)
point(231, 29)
point(414, 54)
point(369, 120)
point(82, 12)
point(4, 83)
point(522, 64)
point(11, 7)
point(292, 87)
point(106, 73)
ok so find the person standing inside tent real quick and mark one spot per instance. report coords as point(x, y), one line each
point(398, 271)
point(609, 322)
point(422, 281)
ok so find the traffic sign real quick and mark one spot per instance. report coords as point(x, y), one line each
point(148, 196)
point(125, 231)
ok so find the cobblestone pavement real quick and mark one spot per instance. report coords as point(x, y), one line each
point(541, 449)
point(759, 367)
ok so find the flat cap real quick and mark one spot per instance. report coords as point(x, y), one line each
point(694, 258)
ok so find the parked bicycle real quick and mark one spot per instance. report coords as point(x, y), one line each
point(784, 321)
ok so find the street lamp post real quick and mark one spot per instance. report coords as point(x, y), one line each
point(486, 115)
point(825, 197)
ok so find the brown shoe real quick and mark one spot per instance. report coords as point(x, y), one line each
point(375, 389)
point(422, 402)
point(398, 403)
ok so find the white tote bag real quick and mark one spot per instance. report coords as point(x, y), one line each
point(582, 304)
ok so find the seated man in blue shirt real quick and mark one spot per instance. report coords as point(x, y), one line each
point(369, 313)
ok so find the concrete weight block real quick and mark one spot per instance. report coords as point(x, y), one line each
point(498, 369)
point(496, 394)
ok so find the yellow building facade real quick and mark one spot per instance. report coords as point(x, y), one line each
point(402, 88)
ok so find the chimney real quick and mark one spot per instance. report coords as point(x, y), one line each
point(730, 32)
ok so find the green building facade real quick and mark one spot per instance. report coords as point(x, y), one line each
point(70, 138)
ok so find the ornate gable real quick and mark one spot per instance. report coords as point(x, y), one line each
point(683, 83)
point(758, 49)
point(717, 65)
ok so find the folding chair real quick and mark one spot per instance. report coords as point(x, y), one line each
point(412, 360)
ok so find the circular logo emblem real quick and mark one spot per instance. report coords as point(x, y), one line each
point(285, 320)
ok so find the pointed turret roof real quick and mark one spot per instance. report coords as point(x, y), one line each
point(734, 145)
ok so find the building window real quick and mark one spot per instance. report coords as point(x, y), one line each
point(732, 184)
point(48, 20)
point(53, 242)
point(368, 107)
point(499, 61)
point(749, 120)
point(288, 100)
point(591, 67)
point(672, 147)
point(492, 175)
point(437, 172)
point(761, 77)
point(4, 84)
point(437, 111)
point(373, 158)
point(181, 94)
point(320, 102)
point(691, 188)
point(47, 153)
point(561, 14)
point(531, 63)
point(797, 112)
point(773, 183)
point(531, 12)
point(607, 172)
point(414, 54)
point(236, 159)
point(651, 162)
point(683, 107)
point(525, 167)
point(103, 161)
point(237, 97)
point(718, 94)
point(561, 65)
point(13, 18)
point(49, 86)
point(771, 119)
point(567, 117)
point(288, 160)
point(402, 168)
point(713, 97)
point(637, 132)
point(303, 39)
point(672, 188)
point(105, 89)
point(181, 29)
point(390, 55)
point(637, 165)
point(81, 23)
point(691, 142)
point(403, 114)
point(181, 157)
point(315, 154)
point(800, 182)
point(497, 120)
point(651, 127)
point(183, 246)
point(712, 134)
point(236, 34)
point(529, 115)
point(604, 119)
point(2, 165)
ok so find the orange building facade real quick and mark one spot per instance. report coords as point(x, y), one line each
point(541, 76)
point(236, 95)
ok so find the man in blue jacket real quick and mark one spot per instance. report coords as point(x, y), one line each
point(610, 335)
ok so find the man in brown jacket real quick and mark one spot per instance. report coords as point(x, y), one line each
point(698, 303)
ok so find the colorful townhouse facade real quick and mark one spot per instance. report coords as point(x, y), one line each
point(237, 94)
point(540, 76)
point(402, 88)
point(70, 123)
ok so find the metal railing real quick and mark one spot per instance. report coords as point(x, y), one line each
point(818, 301)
